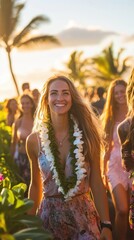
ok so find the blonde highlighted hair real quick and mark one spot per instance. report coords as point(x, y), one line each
point(130, 94)
point(87, 120)
point(110, 109)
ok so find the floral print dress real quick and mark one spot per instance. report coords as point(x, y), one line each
point(76, 219)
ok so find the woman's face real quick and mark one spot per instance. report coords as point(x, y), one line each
point(26, 104)
point(120, 94)
point(13, 105)
point(59, 97)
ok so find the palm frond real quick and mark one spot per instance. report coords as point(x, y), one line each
point(125, 67)
point(119, 53)
point(39, 39)
point(111, 61)
point(16, 15)
point(33, 24)
point(6, 9)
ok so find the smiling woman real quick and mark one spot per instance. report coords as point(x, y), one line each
point(63, 177)
point(59, 98)
point(115, 178)
point(22, 127)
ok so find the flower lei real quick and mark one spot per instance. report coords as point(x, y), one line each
point(67, 186)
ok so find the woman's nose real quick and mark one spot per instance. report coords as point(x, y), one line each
point(59, 96)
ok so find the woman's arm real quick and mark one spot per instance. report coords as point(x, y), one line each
point(14, 138)
point(100, 196)
point(35, 188)
point(105, 161)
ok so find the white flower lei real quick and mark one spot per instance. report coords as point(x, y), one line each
point(79, 169)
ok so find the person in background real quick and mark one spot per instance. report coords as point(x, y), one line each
point(115, 177)
point(21, 129)
point(26, 88)
point(12, 111)
point(126, 136)
point(36, 96)
point(126, 129)
point(98, 105)
point(64, 152)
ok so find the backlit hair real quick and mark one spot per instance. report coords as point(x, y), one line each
point(109, 112)
point(7, 106)
point(84, 115)
point(130, 93)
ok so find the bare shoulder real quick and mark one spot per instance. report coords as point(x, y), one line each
point(32, 138)
point(17, 122)
point(124, 125)
point(32, 145)
point(123, 129)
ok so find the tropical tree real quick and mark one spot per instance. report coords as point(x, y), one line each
point(106, 66)
point(77, 68)
point(10, 12)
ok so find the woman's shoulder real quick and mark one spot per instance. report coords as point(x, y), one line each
point(18, 121)
point(32, 143)
point(124, 125)
point(123, 128)
point(32, 138)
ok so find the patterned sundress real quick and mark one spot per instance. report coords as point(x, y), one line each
point(76, 219)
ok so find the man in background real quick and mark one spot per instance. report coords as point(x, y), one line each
point(99, 104)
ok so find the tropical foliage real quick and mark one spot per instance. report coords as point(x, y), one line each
point(7, 165)
point(107, 67)
point(77, 68)
point(15, 223)
point(101, 69)
point(10, 12)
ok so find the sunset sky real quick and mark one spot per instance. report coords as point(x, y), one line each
point(87, 25)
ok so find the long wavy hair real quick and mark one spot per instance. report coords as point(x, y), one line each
point(130, 94)
point(129, 143)
point(110, 109)
point(86, 119)
point(7, 106)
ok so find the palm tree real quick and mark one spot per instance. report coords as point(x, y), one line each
point(9, 39)
point(106, 67)
point(78, 68)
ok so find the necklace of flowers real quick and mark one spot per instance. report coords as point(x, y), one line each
point(67, 186)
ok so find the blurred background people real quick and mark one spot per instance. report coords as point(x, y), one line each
point(115, 177)
point(12, 111)
point(21, 129)
point(26, 88)
point(36, 96)
point(98, 105)
point(126, 129)
point(126, 135)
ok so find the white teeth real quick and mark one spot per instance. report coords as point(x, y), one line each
point(59, 105)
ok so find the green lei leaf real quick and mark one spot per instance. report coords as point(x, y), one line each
point(66, 183)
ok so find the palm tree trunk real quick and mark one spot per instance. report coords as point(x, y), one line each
point(11, 70)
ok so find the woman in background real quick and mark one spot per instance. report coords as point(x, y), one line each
point(126, 135)
point(126, 129)
point(115, 177)
point(12, 111)
point(21, 129)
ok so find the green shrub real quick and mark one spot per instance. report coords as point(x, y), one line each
point(7, 166)
point(15, 223)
